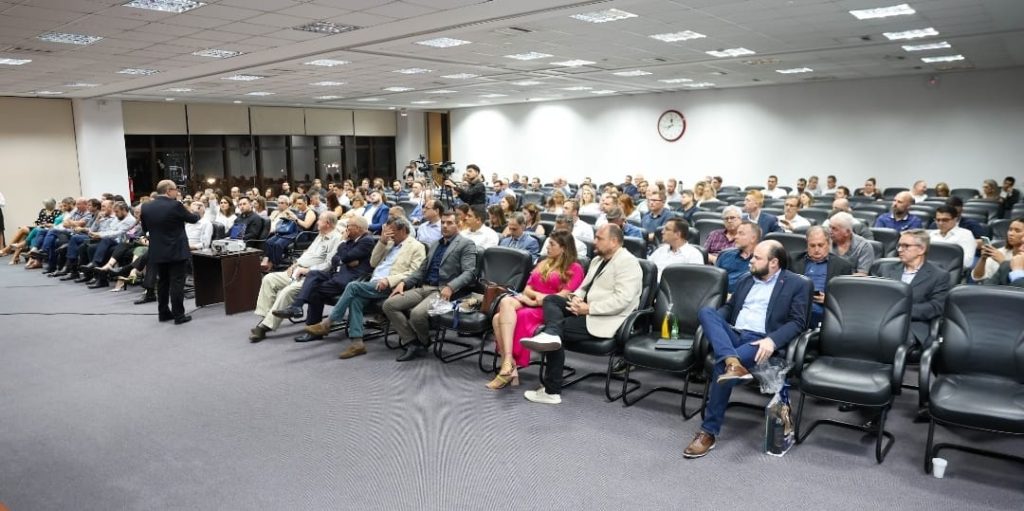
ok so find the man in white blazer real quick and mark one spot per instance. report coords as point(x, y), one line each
point(610, 291)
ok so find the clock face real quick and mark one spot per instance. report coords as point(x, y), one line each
point(671, 125)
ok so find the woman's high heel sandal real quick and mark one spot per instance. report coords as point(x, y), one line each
point(509, 375)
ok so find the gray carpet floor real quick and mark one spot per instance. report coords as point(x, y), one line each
point(104, 408)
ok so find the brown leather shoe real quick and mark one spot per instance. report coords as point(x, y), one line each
point(318, 329)
point(734, 371)
point(699, 447)
point(353, 351)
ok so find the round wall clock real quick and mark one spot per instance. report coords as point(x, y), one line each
point(671, 125)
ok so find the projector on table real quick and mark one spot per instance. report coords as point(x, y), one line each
point(227, 246)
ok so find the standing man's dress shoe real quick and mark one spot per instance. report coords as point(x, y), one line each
point(165, 317)
point(702, 443)
point(412, 352)
point(182, 320)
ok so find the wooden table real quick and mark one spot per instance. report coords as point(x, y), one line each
point(233, 278)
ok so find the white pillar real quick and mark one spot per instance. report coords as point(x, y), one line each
point(411, 141)
point(99, 138)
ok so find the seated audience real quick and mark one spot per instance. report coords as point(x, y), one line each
point(946, 218)
point(484, 237)
point(791, 219)
point(200, 234)
point(992, 257)
point(689, 207)
point(224, 213)
point(656, 216)
point(532, 214)
point(899, 218)
point(752, 212)
point(375, 212)
point(736, 261)
point(846, 244)
point(919, 192)
point(930, 283)
point(580, 229)
point(773, 191)
point(517, 237)
point(616, 216)
point(496, 218)
point(429, 230)
point(60, 234)
point(564, 223)
point(1009, 273)
point(859, 228)
point(44, 219)
point(103, 221)
point(1008, 195)
point(942, 190)
point(724, 238)
point(757, 320)
point(247, 224)
point(871, 189)
point(609, 293)
point(977, 230)
point(819, 265)
point(674, 248)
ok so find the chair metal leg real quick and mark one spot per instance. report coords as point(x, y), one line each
point(932, 449)
point(881, 450)
point(685, 393)
point(468, 349)
point(799, 416)
point(928, 452)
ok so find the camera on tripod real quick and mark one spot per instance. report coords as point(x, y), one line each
point(445, 168)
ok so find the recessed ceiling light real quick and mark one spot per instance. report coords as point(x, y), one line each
point(883, 12)
point(577, 88)
point(65, 38)
point(794, 70)
point(259, 93)
point(398, 89)
point(242, 78)
point(327, 83)
point(635, 72)
point(678, 36)
point(526, 83)
point(573, 63)
point(603, 16)
point(911, 34)
point(443, 42)
point(178, 89)
point(48, 92)
point(413, 71)
point(423, 102)
point(369, 100)
point(699, 85)
point(14, 62)
point(217, 54)
point(460, 76)
point(175, 6)
point(137, 71)
point(533, 55)
point(325, 27)
point(81, 84)
point(944, 58)
point(326, 62)
point(493, 95)
point(603, 91)
point(442, 91)
point(676, 80)
point(731, 52)
point(927, 46)
point(326, 98)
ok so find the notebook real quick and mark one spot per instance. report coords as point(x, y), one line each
point(674, 344)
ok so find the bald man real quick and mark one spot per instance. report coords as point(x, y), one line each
point(899, 218)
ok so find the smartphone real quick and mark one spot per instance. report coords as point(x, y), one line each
point(819, 293)
point(985, 240)
point(513, 292)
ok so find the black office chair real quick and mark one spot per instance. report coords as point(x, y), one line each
point(705, 226)
point(502, 265)
point(890, 192)
point(547, 216)
point(949, 257)
point(889, 239)
point(635, 246)
point(703, 251)
point(588, 218)
point(687, 288)
point(866, 216)
point(408, 206)
point(590, 249)
point(965, 193)
point(862, 349)
point(817, 216)
point(612, 348)
point(974, 378)
point(793, 243)
point(1000, 228)
point(877, 248)
point(707, 215)
point(549, 227)
point(533, 198)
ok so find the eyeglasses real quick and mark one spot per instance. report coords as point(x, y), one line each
point(730, 218)
point(905, 246)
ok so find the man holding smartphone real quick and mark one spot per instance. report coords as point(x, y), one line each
point(819, 265)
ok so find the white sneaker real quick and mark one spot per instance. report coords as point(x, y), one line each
point(539, 396)
point(542, 342)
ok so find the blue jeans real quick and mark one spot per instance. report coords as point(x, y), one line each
point(354, 299)
point(75, 244)
point(725, 342)
point(51, 243)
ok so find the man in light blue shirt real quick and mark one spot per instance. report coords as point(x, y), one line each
point(430, 230)
point(518, 239)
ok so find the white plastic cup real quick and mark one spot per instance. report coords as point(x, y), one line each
point(938, 467)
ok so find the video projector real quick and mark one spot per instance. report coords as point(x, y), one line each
point(227, 246)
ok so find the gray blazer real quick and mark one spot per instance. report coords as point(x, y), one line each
point(458, 265)
point(930, 287)
point(1002, 277)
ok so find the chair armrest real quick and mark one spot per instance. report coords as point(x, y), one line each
point(626, 331)
point(924, 376)
point(899, 366)
point(698, 344)
point(800, 350)
point(933, 328)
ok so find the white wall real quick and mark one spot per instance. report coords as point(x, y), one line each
point(411, 140)
point(99, 137)
point(966, 128)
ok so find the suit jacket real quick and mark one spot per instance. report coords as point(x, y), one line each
point(380, 217)
point(164, 220)
point(613, 294)
point(409, 258)
point(786, 317)
point(352, 250)
point(458, 265)
point(1002, 277)
point(767, 222)
point(930, 287)
point(837, 266)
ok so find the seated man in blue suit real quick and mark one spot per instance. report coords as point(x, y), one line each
point(752, 211)
point(767, 311)
point(375, 212)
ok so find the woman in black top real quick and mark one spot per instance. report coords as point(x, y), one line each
point(44, 219)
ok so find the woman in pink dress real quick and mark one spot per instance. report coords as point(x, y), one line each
point(518, 316)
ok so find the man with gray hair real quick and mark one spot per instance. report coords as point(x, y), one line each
point(818, 265)
point(518, 238)
point(724, 238)
point(859, 228)
point(930, 284)
point(846, 244)
point(614, 216)
point(279, 289)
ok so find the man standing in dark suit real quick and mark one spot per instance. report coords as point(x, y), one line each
point(767, 311)
point(929, 283)
point(164, 219)
point(817, 265)
point(350, 263)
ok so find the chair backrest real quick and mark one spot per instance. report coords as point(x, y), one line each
point(408, 206)
point(688, 288)
point(705, 226)
point(865, 318)
point(506, 266)
point(219, 232)
point(706, 215)
point(734, 190)
point(950, 258)
point(890, 192)
point(979, 334)
point(876, 266)
point(866, 216)
point(265, 228)
point(548, 216)
point(636, 246)
point(889, 239)
point(870, 205)
point(533, 198)
point(773, 210)
point(792, 242)
point(539, 237)
point(753, 187)
point(877, 248)
point(693, 236)
point(703, 251)
point(650, 282)
point(964, 193)
point(818, 216)
point(589, 218)
point(986, 207)
point(590, 248)
point(675, 205)
point(1000, 227)
point(549, 227)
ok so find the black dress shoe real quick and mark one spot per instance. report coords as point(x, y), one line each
point(166, 317)
point(83, 279)
point(89, 266)
point(70, 276)
point(412, 352)
point(146, 298)
point(308, 337)
point(59, 273)
point(99, 284)
point(291, 312)
point(182, 320)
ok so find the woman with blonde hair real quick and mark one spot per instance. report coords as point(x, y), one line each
point(519, 315)
point(588, 203)
point(555, 203)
